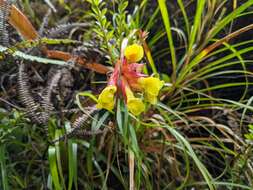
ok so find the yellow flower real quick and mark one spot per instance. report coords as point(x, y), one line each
point(106, 98)
point(151, 87)
point(134, 105)
point(134, 53)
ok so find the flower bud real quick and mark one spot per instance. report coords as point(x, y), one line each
point(134, 53)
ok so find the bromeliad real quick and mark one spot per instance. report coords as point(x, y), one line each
point(128, 81)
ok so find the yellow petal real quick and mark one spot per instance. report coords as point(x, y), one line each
point(151, 99)
point(106, 98)
point(134, 53)
point(151, 87)
point(135, 106)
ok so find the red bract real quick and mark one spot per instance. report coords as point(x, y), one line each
point(132, 72)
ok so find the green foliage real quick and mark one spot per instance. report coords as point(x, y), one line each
point(111, 26)
point(193, 138)
point(6, 134)
point(10, 127)
point(249, 135)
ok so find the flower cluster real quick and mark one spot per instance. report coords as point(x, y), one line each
point(128, 78)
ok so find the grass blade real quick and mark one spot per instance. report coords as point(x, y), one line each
point(221, 24)
point(207, 176)
point(196, 24)
point(72, 160)
point(53, 167)
point(166, 21)
point(3, 168)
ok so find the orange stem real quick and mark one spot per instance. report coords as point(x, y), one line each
point(99, 68)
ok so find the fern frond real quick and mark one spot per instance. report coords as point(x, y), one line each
point(80, 121)
point(46, 103)
point(78, 124)
point(4, 14)
point(26, 98)
point(65, 28)
point(23, 56)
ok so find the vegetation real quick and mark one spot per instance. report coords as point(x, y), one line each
point(126, 94)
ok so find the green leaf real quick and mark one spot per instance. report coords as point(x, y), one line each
point(230, 17)
point(196, 24)
point(166, 21)
point(72, 159)
point(4, 174)
point(53, 167)
point(119, 118)
point(187, 25)
point(58, 134)
point(207, 176)
point(100, 122)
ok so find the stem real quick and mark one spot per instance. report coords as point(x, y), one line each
point(131, 169)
